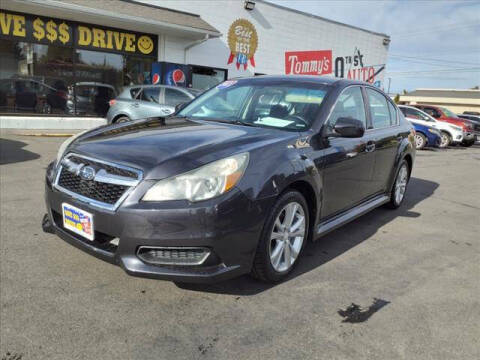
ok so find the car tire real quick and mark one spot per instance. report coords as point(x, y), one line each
point(420, 141)
point(275, 245)
point(402, 178)
point(445, 141)
point(468, 143)
point(121, 119)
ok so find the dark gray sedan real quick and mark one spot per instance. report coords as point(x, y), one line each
point(236, 182)
point(148, 101)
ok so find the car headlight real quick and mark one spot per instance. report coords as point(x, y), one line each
point(203, 183)
point(64, 146)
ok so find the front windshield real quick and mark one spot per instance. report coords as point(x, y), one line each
point(449, 113)
point(284, 105)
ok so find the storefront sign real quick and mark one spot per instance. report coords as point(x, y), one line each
point(43, 30)
point(243, 42)
point(354, 67)
point(308, 62)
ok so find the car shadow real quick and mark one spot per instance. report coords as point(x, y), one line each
point(331, 245)
point(11, 151)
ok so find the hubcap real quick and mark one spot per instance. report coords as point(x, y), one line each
point(418, 141)
point(287, 237)
point(401, 184)
point(444, 142)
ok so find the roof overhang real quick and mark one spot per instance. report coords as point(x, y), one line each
point(105, 17)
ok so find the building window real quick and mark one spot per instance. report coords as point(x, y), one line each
point(204, 78)
point(61, 80)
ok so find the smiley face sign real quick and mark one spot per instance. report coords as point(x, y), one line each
point(145, 44)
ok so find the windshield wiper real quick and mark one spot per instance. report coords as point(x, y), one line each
point(244, 123)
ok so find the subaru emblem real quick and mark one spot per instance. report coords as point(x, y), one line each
point(87, 173)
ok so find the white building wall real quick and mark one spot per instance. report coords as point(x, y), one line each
point(279, 30)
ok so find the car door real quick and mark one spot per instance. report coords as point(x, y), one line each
point(386, 135)
point(346, 163)
point(147, 103)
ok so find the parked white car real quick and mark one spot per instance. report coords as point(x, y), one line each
point(451, 134)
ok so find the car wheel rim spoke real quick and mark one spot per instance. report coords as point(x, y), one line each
point(401, 184)
point(287, 236)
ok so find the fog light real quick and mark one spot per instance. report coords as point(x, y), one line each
point(173, 255)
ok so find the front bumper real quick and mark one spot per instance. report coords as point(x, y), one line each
point(229, 226)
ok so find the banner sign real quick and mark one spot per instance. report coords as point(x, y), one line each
point(308, 62)
point(43, 30)
point(243, 42)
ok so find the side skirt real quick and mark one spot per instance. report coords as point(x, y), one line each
point(353, 213)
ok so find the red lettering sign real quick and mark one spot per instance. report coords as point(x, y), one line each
point(308, 62)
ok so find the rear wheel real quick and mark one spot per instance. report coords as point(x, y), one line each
point(420, 141)
point(446, 140)
point(122, 119)
point(282, 239)
point(400, 186)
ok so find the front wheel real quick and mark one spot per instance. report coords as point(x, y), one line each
point(446, 140)
point(399, 186)
point(283, 238)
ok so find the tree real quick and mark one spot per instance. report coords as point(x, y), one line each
point(396, 99)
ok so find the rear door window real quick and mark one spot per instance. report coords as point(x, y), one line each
point(378, 109)
point(134, 92)
point(151, 94)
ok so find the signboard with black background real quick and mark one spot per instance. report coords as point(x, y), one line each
point(52, 31)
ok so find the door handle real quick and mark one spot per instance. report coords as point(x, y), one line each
point(135, 104)
point(370, 146)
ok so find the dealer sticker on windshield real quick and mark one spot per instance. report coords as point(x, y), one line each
point(226, 84)
point(78, 221)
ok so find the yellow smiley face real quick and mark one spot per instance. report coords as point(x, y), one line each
point(145, 44)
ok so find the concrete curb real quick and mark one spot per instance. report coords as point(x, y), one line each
point(50, 122)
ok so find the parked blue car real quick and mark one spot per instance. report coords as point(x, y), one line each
point(426, 136)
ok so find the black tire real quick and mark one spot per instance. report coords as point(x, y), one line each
point(445, 141)
point(468, 143)
point(420, 141)
point(262, 268)
point(121, 119)
point(393, 203)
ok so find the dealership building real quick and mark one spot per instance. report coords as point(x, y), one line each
point(62, 60)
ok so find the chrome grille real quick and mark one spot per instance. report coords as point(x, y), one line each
point(103, 192)
point(109, 186)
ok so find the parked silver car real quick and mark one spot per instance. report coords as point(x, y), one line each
point(147, 101)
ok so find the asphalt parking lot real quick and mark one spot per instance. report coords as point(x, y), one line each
point(401, 284)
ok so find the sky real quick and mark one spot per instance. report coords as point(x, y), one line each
point(434, 43)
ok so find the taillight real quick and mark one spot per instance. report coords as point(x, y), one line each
point(112, 102)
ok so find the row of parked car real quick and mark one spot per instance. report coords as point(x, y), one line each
point(437, 126)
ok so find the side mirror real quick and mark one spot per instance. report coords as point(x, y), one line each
point(349, 128)
point(179, 107)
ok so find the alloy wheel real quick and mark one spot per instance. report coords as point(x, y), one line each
point(444, 140)
point(287, 236)
point(418, 141)
point(401, 184)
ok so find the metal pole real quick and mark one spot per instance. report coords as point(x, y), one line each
point(389, 80)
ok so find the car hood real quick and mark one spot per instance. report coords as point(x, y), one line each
point(166, 147)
